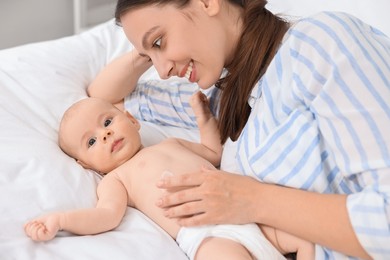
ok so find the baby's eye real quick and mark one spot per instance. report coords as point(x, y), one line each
point(157, 43)
point(91, 141)
point(107, 122)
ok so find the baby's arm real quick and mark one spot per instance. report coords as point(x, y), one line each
point(210, 143)
point(107, 215)
point(119, 77)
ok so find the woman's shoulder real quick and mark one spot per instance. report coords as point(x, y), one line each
point(327, 17)
point(328, 29)
point(330, 22)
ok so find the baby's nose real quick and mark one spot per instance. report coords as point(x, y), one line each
point(106, 134)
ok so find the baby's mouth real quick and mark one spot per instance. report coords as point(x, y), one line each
point(116, 145)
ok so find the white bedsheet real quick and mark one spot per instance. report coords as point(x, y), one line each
point(37, 83)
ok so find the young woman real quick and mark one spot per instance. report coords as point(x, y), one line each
point(304, 117)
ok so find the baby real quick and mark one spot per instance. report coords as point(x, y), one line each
point(103, 138)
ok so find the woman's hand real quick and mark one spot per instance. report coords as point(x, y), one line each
point(209, 197)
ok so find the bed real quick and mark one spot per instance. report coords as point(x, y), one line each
point(37, 83)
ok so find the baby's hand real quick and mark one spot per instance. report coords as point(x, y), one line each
point(43, 228)
point(201, 107)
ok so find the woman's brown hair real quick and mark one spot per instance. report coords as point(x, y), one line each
point(261, 36)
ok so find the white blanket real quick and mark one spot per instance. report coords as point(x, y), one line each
point(37, 83)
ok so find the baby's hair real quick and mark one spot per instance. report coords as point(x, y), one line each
point(67, 115)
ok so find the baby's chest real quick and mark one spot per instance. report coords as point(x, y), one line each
point(141, 174)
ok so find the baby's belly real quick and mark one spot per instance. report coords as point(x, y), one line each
point(156, 214)
point(143, 192)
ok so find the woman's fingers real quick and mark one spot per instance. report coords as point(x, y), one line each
point(176, 181)
point(191, 214)
point(178, 197)
point(192, 200)
point(184, 210)
point(184, 188)
point(210, 197)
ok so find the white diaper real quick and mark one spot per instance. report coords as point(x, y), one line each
point(249, 235)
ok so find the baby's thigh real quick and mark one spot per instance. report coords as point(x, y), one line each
point(221, 248)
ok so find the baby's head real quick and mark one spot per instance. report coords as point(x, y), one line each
point(98, 135)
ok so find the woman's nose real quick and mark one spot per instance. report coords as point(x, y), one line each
point(164, 68)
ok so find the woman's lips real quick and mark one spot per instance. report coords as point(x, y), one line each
point(116, 145)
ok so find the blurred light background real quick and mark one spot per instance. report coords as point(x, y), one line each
point(27, 21)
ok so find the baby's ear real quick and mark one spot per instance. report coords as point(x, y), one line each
point(85, 165)
point(132, 119)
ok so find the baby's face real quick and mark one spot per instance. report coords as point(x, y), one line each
point(100, 136)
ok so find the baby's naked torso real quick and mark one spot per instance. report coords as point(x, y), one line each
point(141, 173)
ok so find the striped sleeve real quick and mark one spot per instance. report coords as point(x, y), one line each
point(323, 121)
point(166, 102)
point(349, 95)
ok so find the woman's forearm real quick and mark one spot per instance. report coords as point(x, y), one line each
point(319, 218)
point(218, 197)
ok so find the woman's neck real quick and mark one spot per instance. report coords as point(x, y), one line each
point(232, 17)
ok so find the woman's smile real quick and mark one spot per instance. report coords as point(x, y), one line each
point(187, 72)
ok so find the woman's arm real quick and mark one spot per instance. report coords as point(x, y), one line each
point(320, 218)
point(219, 197)
point(119, 77)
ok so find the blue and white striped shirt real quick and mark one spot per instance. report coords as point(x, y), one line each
point(320, 121)
point(167, 102)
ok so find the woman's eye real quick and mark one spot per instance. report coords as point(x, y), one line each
point(157, 43)
point(91, 141)
point(107, 122)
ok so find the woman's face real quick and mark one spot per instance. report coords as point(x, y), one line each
point(191, 42)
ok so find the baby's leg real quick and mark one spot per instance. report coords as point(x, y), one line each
point(290, 243)
point(287, 243)
point(222, 248)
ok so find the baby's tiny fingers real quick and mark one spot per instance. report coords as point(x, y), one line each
point(29, 226)
point(39, 231)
